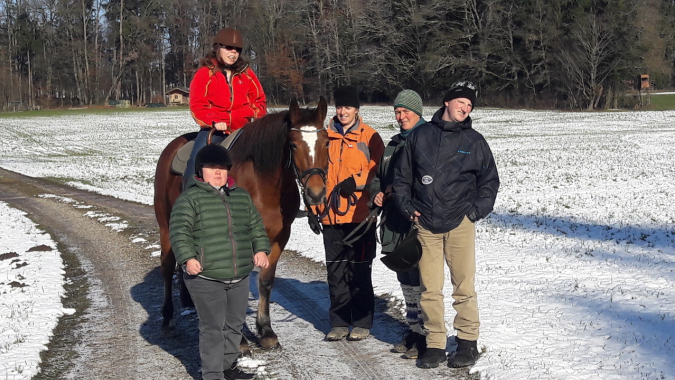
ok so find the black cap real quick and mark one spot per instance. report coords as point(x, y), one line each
point(463, 89)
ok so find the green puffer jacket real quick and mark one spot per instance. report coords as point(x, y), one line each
point(220, 228)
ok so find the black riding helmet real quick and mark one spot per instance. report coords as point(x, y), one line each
point(212, 155)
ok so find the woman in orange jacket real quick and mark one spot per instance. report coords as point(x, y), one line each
point(225, 93)
point(354, 153)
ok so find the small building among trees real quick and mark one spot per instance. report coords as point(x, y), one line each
point(179, 96)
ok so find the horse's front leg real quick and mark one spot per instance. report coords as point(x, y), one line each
point(268, 339)
point(167, 269)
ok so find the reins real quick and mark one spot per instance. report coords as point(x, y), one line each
point(370, 219)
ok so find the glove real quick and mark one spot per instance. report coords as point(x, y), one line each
point(346, 187)
point(314, 223)
point(473, 215)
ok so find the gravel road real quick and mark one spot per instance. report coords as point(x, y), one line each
point(115, 285)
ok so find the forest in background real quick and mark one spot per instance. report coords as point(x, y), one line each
point(564, 54)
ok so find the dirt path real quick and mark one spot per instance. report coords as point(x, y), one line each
point(115, 286)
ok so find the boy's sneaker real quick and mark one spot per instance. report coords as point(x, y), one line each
point(235, 373)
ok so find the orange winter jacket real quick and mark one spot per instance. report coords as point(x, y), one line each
point(213, 99)
point(356, 154)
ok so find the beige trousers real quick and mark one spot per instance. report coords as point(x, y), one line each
point(457, 247)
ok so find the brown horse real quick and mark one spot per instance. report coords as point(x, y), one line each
point(270, 157)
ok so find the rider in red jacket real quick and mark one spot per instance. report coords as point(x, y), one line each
point(225, 93)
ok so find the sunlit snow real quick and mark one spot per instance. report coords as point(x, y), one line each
point(575, 265)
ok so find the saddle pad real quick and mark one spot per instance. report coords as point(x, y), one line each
point(180, 161)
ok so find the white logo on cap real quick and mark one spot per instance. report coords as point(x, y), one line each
point(427, 179)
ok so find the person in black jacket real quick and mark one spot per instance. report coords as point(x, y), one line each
point(445, 181)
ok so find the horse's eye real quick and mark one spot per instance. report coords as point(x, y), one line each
point(327, 143)
point(293, 146)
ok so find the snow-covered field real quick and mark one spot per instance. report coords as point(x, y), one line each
point(31, 286)
point(575, 266)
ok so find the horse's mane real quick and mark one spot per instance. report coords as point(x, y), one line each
point(264, 142)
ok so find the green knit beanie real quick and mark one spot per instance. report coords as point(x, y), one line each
point(409, 99)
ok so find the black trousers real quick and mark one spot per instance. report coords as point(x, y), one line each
point(350, 284)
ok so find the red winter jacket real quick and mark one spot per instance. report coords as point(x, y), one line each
point(213, 99)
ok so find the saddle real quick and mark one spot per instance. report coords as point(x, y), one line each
point(180, 161)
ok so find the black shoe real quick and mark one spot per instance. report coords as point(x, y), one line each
point(466, 354)
point(235, 373)
point(431, 358)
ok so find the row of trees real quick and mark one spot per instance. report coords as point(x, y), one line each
point(575, 54)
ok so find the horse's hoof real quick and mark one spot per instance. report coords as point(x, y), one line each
point(245, 352)
point(169, 329)
point(270, 343)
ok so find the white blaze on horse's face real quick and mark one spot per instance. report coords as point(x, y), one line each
point(310, 135)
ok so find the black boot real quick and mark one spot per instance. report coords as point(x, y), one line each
point(431, 358)
point(466, 354)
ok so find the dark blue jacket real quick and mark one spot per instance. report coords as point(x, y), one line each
point(446, 171)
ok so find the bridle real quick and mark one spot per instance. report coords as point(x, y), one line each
point(304, 177)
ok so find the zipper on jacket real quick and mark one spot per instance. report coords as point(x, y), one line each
point(438, 154)
point(202, 257)
point(229, 223)
point(230, 84)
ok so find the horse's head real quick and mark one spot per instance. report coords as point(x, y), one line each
point(309, 145)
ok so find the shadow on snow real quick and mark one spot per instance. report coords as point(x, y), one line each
point(307, 301)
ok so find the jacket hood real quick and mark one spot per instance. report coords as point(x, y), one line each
point(437, 120)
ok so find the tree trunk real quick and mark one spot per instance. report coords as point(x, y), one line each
point(76, 76)
point(30, 82)
point(87, 87)
point(138, 89)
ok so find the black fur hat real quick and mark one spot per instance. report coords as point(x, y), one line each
point(346, 96)
point(212, 155)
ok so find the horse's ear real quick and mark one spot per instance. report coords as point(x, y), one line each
point(322, 109)
point(294, 111)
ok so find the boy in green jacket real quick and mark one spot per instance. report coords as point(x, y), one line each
point(218, 237)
